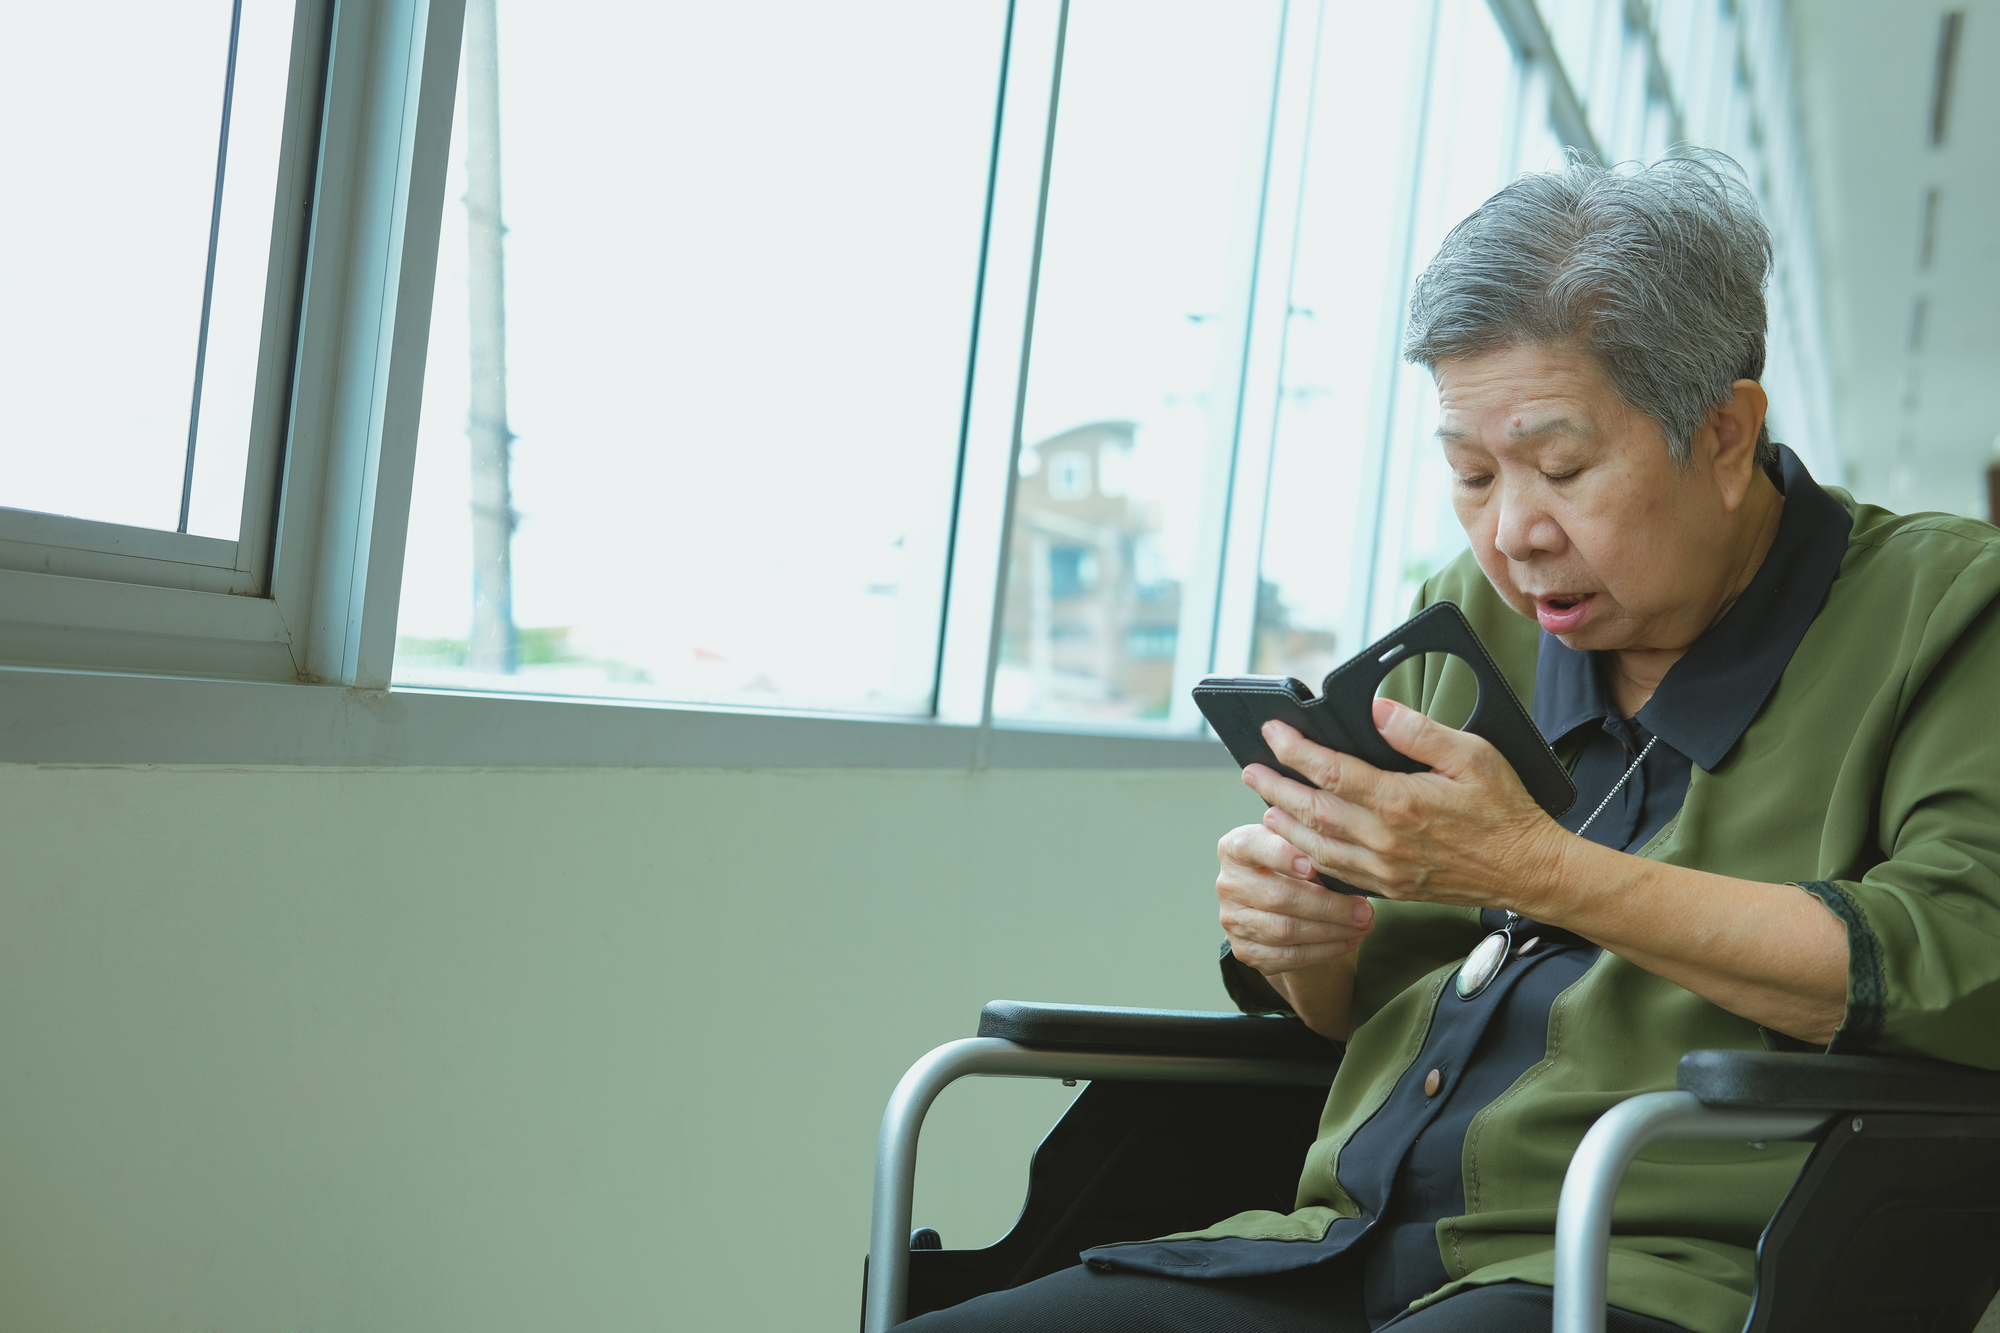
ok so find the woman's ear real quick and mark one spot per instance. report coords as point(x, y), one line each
point(1735, 423)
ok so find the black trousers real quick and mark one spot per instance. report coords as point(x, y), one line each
point(1326, 1299)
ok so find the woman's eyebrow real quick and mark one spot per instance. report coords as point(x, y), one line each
point(1552, 426)
point(1539, 430)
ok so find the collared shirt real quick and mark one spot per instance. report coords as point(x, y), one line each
point(1866, 780)
point(1701, 708)
point(1707, 701)
point(1404, 1167)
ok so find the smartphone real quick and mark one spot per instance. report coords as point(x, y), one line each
point(1342, 716)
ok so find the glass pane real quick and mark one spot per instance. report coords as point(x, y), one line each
point(114, 113)
point(1572, 26)
point(1598, 82)
point(1659, 131)
point(1345, 277)
point(1625, 137)
point(1465, 160)
point(1541, 148)
point(1138, 340)
point(742, 244)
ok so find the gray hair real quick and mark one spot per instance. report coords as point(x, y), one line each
point(1658, 272)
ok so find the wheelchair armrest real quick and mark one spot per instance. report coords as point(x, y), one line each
point(1774, 1080)
point(1154, 1031)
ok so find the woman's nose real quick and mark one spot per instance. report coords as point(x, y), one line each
point(1524, 528)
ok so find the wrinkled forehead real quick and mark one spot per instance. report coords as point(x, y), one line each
point(1522, 394)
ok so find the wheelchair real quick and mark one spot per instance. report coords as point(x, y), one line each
point(1892, 1225)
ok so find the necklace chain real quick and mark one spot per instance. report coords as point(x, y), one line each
point(1616, 787)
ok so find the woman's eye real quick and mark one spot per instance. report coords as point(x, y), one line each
point(1562, 476)
point(1475, 481)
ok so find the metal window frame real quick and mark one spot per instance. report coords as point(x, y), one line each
point(127, 645)
point(33, 542)
point(1522, 21)
point(97, 619)
point(1214, 614)
point(130, 646)
point(307, 591)
point(996, 381)
point(1219, 603)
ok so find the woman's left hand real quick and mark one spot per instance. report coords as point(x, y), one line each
point(1465, 833)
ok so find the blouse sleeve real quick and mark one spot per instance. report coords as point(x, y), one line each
point(1923, 925)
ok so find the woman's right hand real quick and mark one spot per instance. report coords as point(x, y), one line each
point(1282, 921)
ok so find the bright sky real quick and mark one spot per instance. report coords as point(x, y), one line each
point(1152, 214)
point(741, 261)
point(740, 267)
point(102, 277)
point(737, 356)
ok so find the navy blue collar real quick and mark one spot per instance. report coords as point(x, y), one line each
point(1707, 700)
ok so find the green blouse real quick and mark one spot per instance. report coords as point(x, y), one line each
point(1869, 778)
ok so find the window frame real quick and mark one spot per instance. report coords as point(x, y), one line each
point(72, 547)
point(306, 591)
point(128, 645)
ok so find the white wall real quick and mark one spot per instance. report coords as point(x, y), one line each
point(393, 1049)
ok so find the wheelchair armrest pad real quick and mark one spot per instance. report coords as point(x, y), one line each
point(1155, 1031)
point(1805, 1082)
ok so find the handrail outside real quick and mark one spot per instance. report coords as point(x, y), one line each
point(903, 1118)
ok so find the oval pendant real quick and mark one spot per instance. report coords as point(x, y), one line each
point(1478, 971)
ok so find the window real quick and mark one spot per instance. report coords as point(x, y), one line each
point(1007, 365)
point(294, 328)
point(712, 378)
point(1163, 123)
point(1348, 277)
point(1467, 155)
point(146, 349)
point(1069, 471)
point(128, 360)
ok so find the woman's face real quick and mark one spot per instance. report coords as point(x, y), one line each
point(1576, 512)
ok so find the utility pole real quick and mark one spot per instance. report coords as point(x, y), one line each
point(493, 647)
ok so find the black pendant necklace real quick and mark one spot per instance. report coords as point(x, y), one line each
point(1476, 973)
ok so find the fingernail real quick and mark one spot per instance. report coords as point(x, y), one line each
point(1302, 868)
point(1364, 911)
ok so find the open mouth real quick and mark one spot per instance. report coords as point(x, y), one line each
point(1563, 613)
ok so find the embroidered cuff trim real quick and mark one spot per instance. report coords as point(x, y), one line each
point(1867, 995)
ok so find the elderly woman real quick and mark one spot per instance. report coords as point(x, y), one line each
point(1777, 706)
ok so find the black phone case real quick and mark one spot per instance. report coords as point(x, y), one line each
point(1342, 717)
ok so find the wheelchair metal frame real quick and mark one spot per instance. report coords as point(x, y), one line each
point(1583, 1217)
point(903, 1119)
point(1912, 1109)
point(1583, 1211)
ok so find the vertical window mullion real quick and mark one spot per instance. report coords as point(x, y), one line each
point(378, 205)
point(1052, 120)
point(1266, 339)
point(1383, 413)
point(986, 468)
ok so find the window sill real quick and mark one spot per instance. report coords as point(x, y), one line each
point(77, 717)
